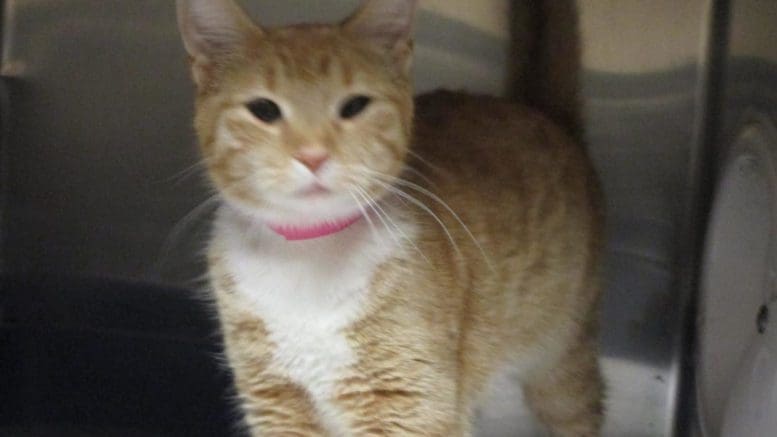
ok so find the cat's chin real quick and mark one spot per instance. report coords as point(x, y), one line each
point(313, 192)
point(303, 210)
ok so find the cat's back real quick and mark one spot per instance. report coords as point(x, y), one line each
point(524, 187)
point(490, 154)
point(482, 136)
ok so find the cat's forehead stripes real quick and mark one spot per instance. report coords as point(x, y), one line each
point(348, 74)
point(325, 64)
point(270, 77)
point(307, 53)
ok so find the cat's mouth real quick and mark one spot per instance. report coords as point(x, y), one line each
point(309, 209)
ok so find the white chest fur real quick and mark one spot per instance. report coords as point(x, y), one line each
point(306, 293)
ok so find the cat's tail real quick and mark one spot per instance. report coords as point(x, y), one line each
point(546, 60)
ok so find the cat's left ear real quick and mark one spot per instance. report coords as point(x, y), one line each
point(387, 24)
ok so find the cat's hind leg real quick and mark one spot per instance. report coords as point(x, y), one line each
point(567, 397)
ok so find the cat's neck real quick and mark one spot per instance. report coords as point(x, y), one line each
point(307, 278)
point(315, 241)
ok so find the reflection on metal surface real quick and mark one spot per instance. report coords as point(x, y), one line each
point(644, 65)
point(735, 288)
point(749, 87)
point(95, 140)
point(102, 163)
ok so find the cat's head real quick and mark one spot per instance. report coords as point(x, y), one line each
point(299, 123)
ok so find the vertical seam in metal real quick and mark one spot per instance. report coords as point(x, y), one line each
point(701, 181)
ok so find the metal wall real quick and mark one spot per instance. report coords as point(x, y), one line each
point(100, 177)
point(645, 69)
point(746, 97)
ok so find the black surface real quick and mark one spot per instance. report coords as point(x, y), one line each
point(101, 358)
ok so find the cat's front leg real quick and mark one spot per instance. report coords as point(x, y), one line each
point(272, 404)
point(407, 399)
point(275, 406)
point(381, 413)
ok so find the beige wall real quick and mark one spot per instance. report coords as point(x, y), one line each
point(627, 36)
point(754, 31)
point(641, 35)
point(490, 16)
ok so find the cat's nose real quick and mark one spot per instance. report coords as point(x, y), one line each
point(312, 157)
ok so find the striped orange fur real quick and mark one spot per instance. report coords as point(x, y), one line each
point(477, 253)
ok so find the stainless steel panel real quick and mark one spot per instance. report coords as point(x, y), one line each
point(750, 70)
point(747, 88)
point(102, 173)
point(100, 108)
point(645, 68)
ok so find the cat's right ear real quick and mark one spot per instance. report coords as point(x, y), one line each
point(212, 30)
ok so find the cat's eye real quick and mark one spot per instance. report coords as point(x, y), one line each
point(354, 106)
point(265, 110)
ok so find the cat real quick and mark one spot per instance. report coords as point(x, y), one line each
point(379, 259)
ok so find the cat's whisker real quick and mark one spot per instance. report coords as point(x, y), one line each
point(424, 161)
point(384, 218)
point(396, 227)
point(399, 229)
point(418, 203)
point(371, 205)
point(187, 172)
point(214, 200)
point(363, 212)
point(184, 223)
point(436, 198)
point(466, 228)
point(408, 168)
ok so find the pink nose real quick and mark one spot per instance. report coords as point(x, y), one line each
point(312, 157)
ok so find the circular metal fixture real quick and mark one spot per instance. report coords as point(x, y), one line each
point(737, 359)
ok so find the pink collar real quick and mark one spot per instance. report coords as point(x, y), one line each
point(315, 230)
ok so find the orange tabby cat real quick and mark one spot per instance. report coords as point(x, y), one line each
point(379, 261)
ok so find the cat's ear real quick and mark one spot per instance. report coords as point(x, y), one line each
point(212, 29)
point(387, 24)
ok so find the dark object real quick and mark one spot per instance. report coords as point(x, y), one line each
point(762, 320)
point(104, 358)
